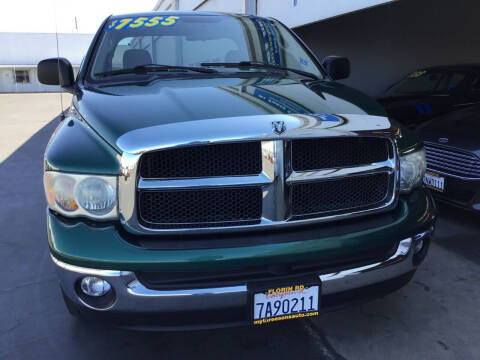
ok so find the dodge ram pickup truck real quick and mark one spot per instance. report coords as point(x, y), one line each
point(211, 172)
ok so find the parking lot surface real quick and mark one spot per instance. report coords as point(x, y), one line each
point(22, 115)
point(436, 316)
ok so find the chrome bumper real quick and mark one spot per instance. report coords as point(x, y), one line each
point(131, 296)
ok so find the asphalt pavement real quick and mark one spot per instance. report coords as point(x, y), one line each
point(436, 316)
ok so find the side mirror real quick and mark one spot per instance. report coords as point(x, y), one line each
point(337, 67)
point(56, 71)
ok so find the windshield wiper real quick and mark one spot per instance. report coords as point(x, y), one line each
point(144, 69)
point(258, 65)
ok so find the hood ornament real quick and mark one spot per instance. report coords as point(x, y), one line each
point(279, 127)
point(443, 140)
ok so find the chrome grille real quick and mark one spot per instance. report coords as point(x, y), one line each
point(202, 161)
point(200, 208)
point(451, 161)
point(363, 180)
point(322, 198)
point(328, 153)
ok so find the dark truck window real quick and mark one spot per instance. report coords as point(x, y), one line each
point(428, 82)
point(190, 40)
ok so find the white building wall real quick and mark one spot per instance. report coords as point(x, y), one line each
point(188, 4)
point(300, 12)
point(30, 48)
point(164, 5)
point(233, 6)
point(24, 51)
point(6, 80)
point(292, 12)
point(9, 85)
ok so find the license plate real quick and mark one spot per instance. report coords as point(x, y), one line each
point(285, 303)
point(434, 181)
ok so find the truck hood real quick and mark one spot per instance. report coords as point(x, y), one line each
point(115, 110)
point(459, 127)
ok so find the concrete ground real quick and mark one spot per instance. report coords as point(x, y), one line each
point(436, 316)
point(22, 115)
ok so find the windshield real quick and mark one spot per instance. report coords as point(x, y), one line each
point(429, 82)
point(193, 40)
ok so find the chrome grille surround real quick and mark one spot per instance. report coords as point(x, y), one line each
point(453, 162)
point(276, 175)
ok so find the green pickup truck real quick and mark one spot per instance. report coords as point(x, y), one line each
point(211, 172)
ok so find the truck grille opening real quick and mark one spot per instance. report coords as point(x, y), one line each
point(267, 183)
point(329, 153)
point(322, 198)
point(452, 161)
point(203, 161)
point(200, 208)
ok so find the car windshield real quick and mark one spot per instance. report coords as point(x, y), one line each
point(428, 82)
point(195, 42)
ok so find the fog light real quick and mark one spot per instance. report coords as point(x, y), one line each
point(93, 286)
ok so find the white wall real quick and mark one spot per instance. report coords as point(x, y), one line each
point(8, 84)
point(292, 12)
point(163, 5)
point(30, 48)
point(233, 6)
point(190, 4)
point(300, 12)
point(388, 42)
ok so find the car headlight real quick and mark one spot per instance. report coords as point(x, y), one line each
point(91, 196)
point(412, 170)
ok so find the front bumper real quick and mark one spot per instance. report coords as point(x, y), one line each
point(79, 249)
point(136, 306)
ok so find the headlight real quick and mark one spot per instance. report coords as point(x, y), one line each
point(92, 196)
point(412, 170)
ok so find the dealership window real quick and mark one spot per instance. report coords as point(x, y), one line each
point(22, 76)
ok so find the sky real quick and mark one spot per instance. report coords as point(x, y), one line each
point(40, 15)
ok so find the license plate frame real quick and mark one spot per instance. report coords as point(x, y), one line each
point(434, 181)
point(281, 293)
